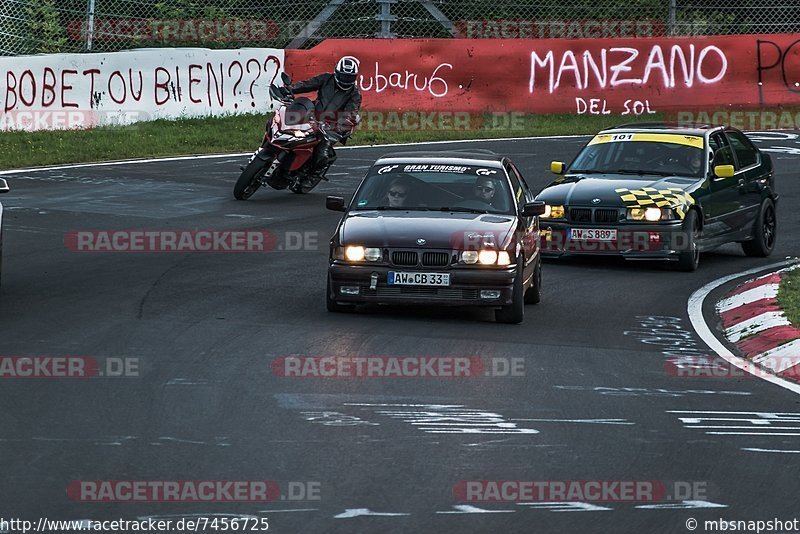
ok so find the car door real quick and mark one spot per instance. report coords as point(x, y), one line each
point(724, 196)
point(750, 171)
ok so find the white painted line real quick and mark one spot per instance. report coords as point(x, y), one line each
point(566, 506)
point(756, 324)
point(240, 154)
point(120, 162)
point(767, 291)
point(753, 449)
point(467, 509)
point(754, 433)
point(695, 309)
point(594, 421)
point(358, 512)
point(683, 505)
point(781, 358)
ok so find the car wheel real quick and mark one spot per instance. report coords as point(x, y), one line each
point(514, 312)
point(534, 293)
point(689, 259)
point(764, 232)
point(334, 306)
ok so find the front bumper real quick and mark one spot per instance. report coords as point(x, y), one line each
point(664, 241)
point(465, 287)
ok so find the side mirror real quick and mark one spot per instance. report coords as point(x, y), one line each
point(724, 171)
point(335, 204)
point(287, 80)
point(4, 186)
point(534, 208)
point(557, 167)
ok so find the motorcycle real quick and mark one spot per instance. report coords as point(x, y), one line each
point(284, 159)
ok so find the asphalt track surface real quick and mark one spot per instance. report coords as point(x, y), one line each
point(206, 405)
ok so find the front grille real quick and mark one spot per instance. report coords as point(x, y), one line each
point(606, 215)
point(580, 215)
point(402, 257)
point(588, 215)
point(435, 259)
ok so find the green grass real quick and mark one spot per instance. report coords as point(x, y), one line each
point(789, 296)
point(242, 133)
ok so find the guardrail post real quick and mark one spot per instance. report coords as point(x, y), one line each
point(386, 18)
point(89, 25)
point(673, 8)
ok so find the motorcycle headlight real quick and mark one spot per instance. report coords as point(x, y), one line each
point(299, 133)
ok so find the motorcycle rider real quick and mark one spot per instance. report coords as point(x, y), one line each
point(339, 99)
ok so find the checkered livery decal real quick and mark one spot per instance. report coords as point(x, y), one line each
point(672, 197)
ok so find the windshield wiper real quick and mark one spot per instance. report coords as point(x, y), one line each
point(641, 172)
point(584, 171)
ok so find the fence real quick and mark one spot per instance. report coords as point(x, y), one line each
point(51, 26)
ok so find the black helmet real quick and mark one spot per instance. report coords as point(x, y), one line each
point(346, 72)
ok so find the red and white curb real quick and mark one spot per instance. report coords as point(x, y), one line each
point(753, 321)
point(762, 301)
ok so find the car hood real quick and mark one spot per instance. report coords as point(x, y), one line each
point(582, 191)
point(402, 229)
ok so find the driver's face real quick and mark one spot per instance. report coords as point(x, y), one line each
point(397, 196)
point(696, 162)
point(484, 190)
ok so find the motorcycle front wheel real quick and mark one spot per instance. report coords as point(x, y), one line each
point(250, 179)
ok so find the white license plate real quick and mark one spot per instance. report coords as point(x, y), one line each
point(593, 234)
point(418, 279)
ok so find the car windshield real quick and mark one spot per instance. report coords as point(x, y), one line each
point(435, 187)
point(665, 155)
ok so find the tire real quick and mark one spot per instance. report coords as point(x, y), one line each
point(765, 231)
point(514, 312)
point(334, 306)
point(250, 179)
point(534, 293)
point(689, 259)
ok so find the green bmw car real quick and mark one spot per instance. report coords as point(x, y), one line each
point(656, 191)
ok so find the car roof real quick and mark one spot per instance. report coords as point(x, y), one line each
point(446, 157)
point(665, 127)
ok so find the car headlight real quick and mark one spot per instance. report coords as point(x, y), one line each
point(651, 214)
point(553, 212)
point(469, 256)
point(486, 257)
point(373, 254)
point(354, 253)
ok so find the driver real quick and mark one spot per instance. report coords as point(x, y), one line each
point(485, 190)
point(695, 161)
point(397, 193)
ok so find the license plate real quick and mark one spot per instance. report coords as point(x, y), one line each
point(418, 279)
point(592, 234)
